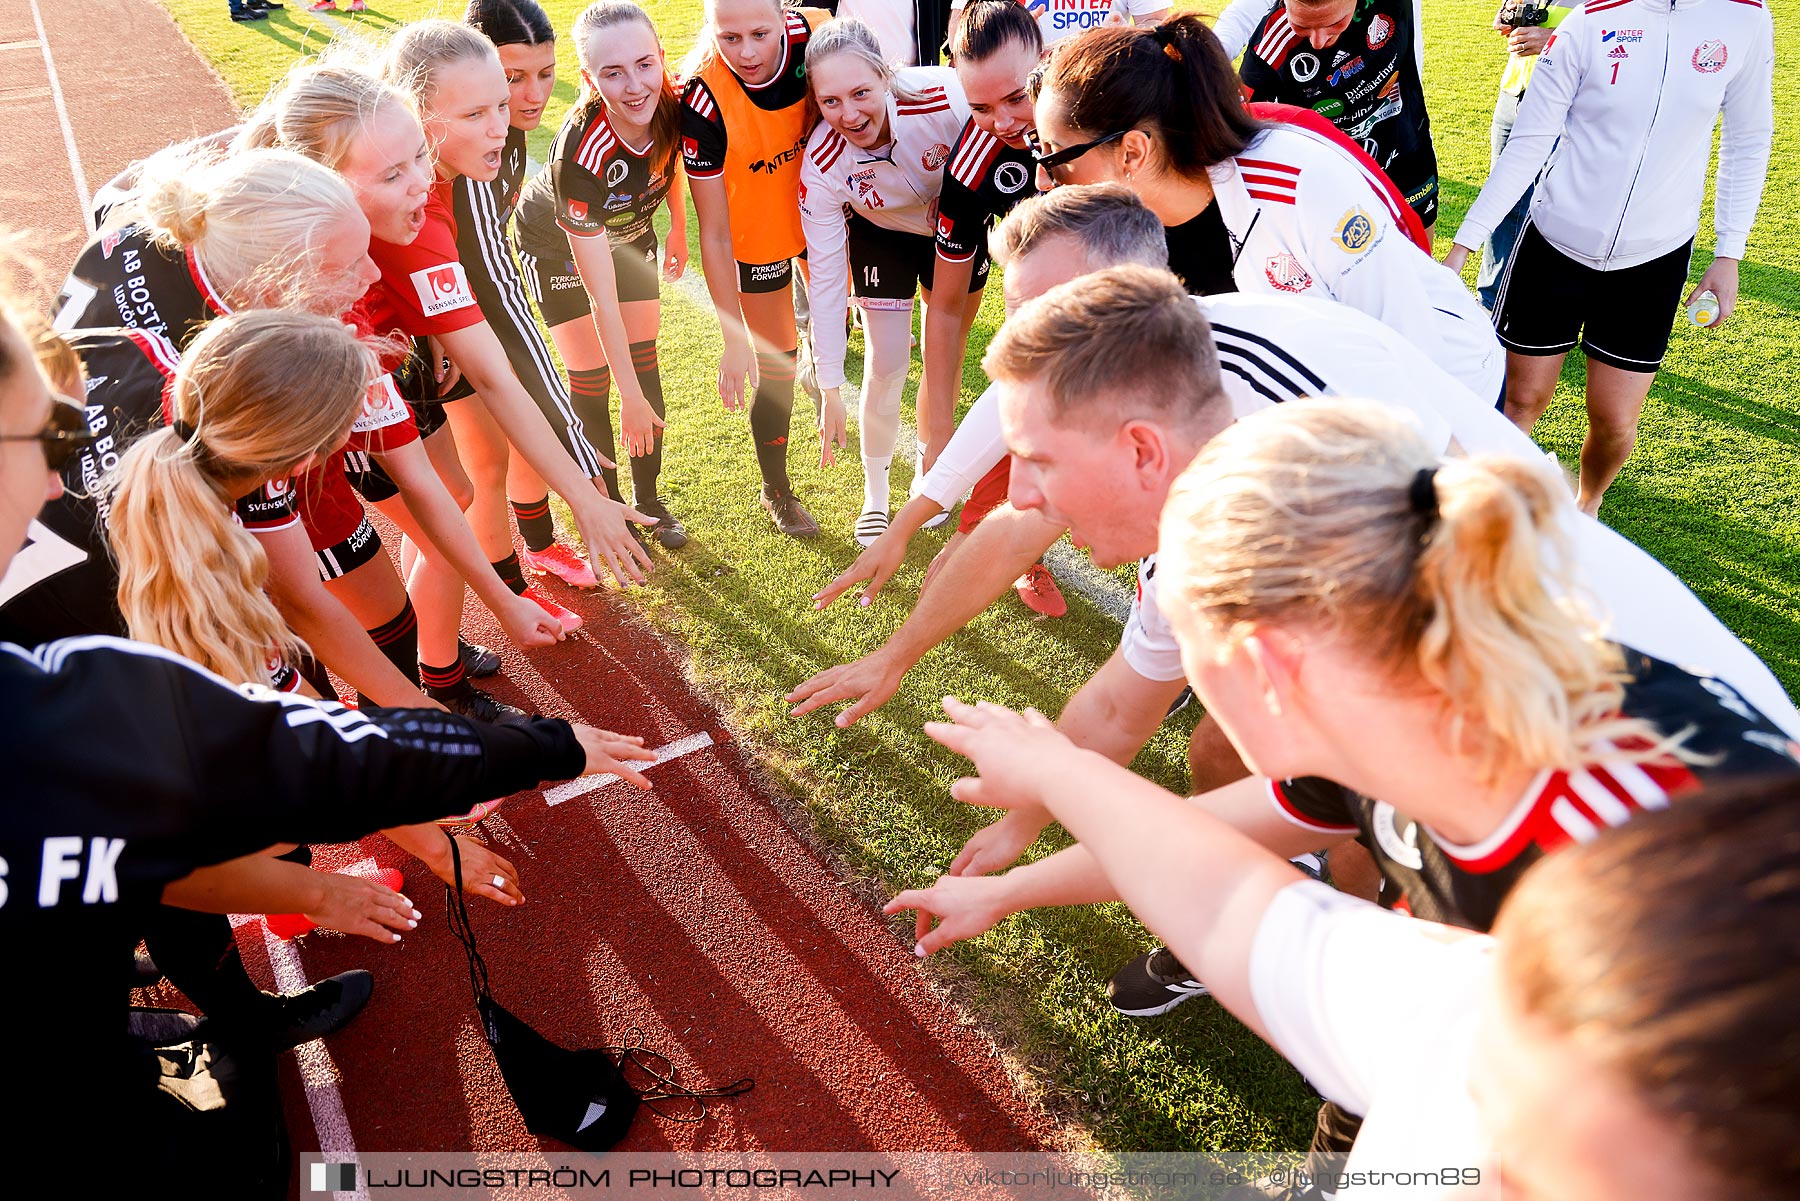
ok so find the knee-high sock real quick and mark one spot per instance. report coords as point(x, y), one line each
point(591, 392)
point(887, 334)
point(535, 525)
point(398, 640)
point(645, 468)
point(771, 414)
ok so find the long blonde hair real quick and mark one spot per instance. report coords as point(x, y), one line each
point(319, 110)
point(257, 394)
point(258, 221)
point(1334, 515)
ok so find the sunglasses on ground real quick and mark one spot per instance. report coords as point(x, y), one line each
point(1050, 160)
point(65, 432)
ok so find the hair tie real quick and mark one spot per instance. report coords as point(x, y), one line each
point(1165, 37)
point(183, 430)
point(1422, 495)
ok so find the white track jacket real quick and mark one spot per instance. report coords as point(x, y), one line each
point(1622, 108)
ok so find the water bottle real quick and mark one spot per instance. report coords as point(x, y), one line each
point(1704, 311)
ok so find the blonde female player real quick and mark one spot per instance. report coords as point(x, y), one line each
point(199, 238)
point(589, 247)
point(1392, 645)
point(869, 187)
point(744, 123)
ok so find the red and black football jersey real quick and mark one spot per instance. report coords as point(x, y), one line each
point(594, 183)
point(63, 583)
point(983, 179)
point(1367, 84)
point(127, 278)
point(1464, 885)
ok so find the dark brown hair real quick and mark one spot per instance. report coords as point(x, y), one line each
point(511, 22)
point(1174, 82)
point(988, 25)
point(1119, 344)
point(1669, 948)
point(665, 123)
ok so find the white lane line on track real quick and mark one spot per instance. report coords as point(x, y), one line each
point(586, 784)
point(319, 1073)
point(62, 116)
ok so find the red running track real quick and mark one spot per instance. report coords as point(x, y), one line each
point(693, 914)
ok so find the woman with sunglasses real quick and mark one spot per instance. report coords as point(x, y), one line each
point(1271, 207)
point(744, 122)
point(869, 185)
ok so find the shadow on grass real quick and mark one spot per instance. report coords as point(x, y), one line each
point(1724, 560)
point(1747, 414)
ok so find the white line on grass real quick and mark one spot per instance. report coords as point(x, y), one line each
point(62, 117)
point(586, 784)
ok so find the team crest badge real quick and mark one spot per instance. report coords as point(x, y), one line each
point(616, 172)
point(1380, 30)
point(578, 210)
point(1010, 177)
point(935, 158)
point(1305, 66)
point(1710, 57)
point(1286, 274)
point(1355, 232)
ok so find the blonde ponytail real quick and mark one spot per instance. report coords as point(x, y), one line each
point(258, 222)
point(1334, 515)
point(258, 394)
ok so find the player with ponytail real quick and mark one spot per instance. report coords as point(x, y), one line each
point(1286, 206)
point(588, 243)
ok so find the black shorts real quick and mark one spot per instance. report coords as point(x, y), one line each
point(1423, 200)
point(368, 477)
point(889, 266)
point(757, 278)
point(556, 286)
point(416, 381)
point(1548, 302)
point(351, 553)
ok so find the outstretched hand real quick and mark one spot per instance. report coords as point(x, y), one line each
point(484, 873)
point(1015, 754)
point(361, 906)
point(877, 564)
point(869, 683)
point(964, 906)
point(614, 753)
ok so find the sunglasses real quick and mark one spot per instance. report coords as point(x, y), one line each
point(1052, 159)
point(65, 432)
